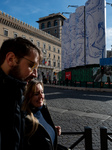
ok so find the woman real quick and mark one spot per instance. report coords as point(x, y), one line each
point(40, 132)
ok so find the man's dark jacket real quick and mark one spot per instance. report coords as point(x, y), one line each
point(11, 117)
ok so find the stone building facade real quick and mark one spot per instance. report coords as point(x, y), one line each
point(50, 46)
point(52, 24)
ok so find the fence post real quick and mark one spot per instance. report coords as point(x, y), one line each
point(93, 84)
point(103, 138)
point(86, 84)
point(88, 138)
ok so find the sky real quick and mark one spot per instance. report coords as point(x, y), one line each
point(29, 11)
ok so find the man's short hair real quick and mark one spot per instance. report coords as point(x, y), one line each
point(19, 46)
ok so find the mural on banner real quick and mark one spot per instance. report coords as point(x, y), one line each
point(73, 40)
point(95, 30)
point(66, 45)
point(83, 35)
point(106, 76)
point(79, 38)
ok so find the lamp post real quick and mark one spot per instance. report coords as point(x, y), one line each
point(109, 3)
point(72, 6)
point(66, 12)
point(68, 7)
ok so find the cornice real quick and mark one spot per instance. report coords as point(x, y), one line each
point(24, 27)
point(52, 16)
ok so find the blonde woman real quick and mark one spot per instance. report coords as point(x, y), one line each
point(40, 132)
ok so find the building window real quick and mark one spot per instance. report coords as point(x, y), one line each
point(5, 32)
point(49, 63)
point(38, 44)
point(44, 46)
point(15, 35)
point(58, 50)
point(62, 23)
point(58, 57)
point(54, 56)
point(55, 31)
point(55, 23)
point(49, 47)
point(24, 37)
point(54, 49)
point(49, 24)
point(54, 64)
point(42, 26)
point(49, 55)
point(58, 65)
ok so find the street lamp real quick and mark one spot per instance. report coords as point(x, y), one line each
point(109, 3)
point(72, 6)
point(68, 7)
point(66, 12)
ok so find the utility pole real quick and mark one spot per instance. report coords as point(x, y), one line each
point(109, 3)
point(72, 6)
point(66, 12)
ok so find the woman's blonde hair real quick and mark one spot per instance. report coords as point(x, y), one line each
point(26, 107)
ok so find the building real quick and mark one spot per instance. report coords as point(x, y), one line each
point(52, 24)
point(83, 35)
point(109, 53)
point(11, 27)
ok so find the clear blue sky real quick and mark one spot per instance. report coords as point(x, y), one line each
point(29, 11)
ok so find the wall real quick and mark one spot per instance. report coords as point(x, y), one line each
point(95, 30)
point(83, 35)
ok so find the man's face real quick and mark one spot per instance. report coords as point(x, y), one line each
point(26, 69)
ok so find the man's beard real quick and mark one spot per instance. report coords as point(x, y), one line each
point(15, 72)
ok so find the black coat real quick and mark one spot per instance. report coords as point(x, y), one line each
point(11, 117)
point(41, 139)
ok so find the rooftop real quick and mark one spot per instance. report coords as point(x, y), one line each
point(52, 16)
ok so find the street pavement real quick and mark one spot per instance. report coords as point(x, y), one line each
point(73, 109)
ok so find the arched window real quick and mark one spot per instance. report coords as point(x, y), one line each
point(55, 31)
point(55, 23)
point(49, 24)
point(42, 26)
point(62, 23)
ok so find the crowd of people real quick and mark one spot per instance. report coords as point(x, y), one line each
point(26, 123)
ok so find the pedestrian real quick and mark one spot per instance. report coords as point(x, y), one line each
point(19, 60)
point(41, 133)
point(66, 81)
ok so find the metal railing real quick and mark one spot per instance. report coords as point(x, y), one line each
point(104, 137)
point(90, 84)
point(87, 135)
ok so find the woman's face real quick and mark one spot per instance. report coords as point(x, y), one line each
point(38, 98)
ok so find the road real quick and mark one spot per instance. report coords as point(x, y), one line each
point(75, 109)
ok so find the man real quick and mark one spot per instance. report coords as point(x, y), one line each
point(19, 60)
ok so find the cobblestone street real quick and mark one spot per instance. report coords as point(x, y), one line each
point(74, 109)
